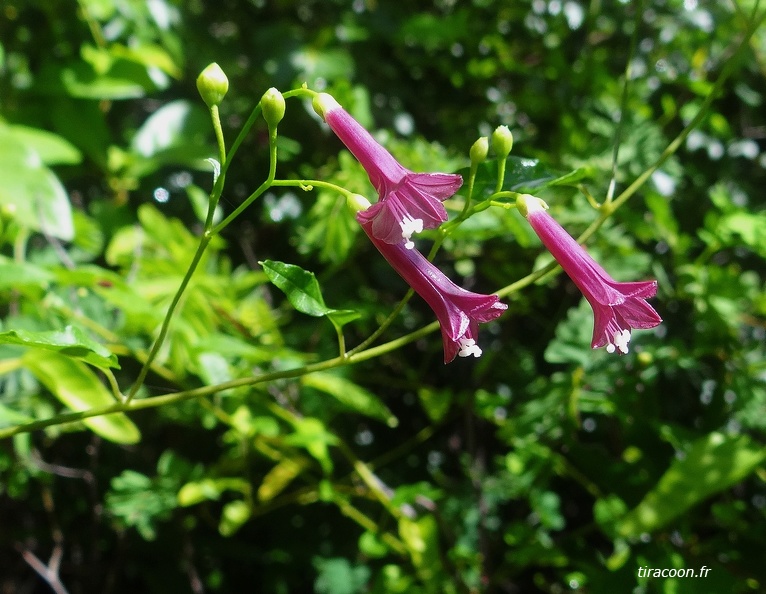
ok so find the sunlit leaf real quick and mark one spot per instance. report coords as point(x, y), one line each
point(71, 342)
point(30, 192)
point(76, 386)
point(14, 275)
point(713, 463)
point(281, 475)
point(233, 516)
point(51, 148)
point(195, 492)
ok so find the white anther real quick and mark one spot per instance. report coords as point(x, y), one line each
point(410, 226)
point(620, 339)
point(468, 347)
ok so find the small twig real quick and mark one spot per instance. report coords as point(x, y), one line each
point(47, 572)
point(59, 470)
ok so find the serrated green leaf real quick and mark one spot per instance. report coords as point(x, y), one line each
point(76, 386)
point(712, 464)
point(351, 395)
point(71, 342)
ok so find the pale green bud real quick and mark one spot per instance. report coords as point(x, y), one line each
point(273, 106)
point(502, 141)
point(212, 85)
point(479, 150)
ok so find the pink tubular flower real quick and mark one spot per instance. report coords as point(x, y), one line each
point(408, 202)
point(459, 311)
point(617, 307)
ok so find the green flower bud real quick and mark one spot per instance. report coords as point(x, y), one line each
point(502, 141)
point(479, 150)
point(357, 202)
point(273, 106)
point(212, 85)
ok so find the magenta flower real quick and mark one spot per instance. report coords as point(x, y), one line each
point(408, 202)
point(617, 307)
point(459, 311)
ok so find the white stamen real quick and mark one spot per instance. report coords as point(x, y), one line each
point(468, 347)
point(410, 226)
point(621, 339)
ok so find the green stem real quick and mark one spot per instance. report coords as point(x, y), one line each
point(368, 524)
point(500, 174)
point(205, 391)
point(368, 478)
point(383, 326)
point(168, 317)
point(309, 184)
point(624, 99)
point(261, 189)
point(215, 194)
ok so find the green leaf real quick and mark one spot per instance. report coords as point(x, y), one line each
point(139, 501)
point(436, 403)
point(311, 433)
point(573, 336)
point(712, 464)
point(341, 317)
point(303, 292)
point(521, 174)
point(121, 79)
point(573, 178)
point(174, 134)
point(31, 191)
point(76, 386)
point(71, 341)
point(351, 395)
point(332, 229)
point(233, 517)
point(280, 476)
point(339, 576)
point(196, 492)
point(300, 286)
point(14, 275)
point(51, 148)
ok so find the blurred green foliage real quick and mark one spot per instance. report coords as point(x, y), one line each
point(543, 466)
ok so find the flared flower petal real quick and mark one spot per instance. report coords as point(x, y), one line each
point(617, 307)
point(408, 202)
point(459, 311)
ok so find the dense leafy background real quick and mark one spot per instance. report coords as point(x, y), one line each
point(544, 466)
